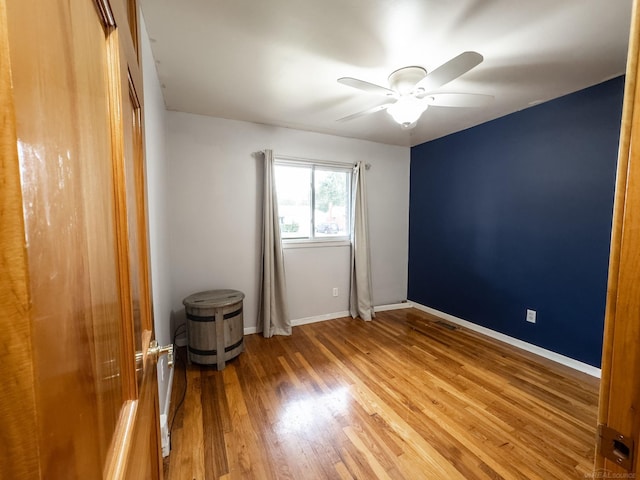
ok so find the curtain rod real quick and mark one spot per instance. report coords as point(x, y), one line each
point(367, 166)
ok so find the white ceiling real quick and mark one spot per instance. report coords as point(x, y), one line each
point(276, 61)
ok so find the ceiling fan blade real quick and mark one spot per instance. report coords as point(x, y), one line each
point(364, 112)
point(449, 71)
point(366, 86)
point(458, 99)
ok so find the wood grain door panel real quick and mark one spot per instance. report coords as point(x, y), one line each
point(61, 96)
point(77, 307)
point(620, 382)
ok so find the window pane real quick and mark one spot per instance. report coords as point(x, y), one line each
point(331, 203)
point(293, 185)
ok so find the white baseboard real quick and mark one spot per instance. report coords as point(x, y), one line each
point(181, 340)
point(164, 418)
point(332, 316)
point(548, 354)
point(319, 318)
point(305, 320)
point(392, 306)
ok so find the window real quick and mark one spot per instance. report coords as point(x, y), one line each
point(314, 201)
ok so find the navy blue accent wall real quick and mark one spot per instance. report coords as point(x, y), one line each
point(516, 214)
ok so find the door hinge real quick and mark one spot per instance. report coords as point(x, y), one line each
point(616, 447)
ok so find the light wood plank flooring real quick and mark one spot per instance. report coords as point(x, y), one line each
point(401, 397)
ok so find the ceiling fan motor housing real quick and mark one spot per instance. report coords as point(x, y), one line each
point(404, 79)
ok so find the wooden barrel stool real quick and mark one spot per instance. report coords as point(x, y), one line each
point(215, 329)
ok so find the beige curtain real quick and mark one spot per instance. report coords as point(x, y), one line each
point(273, 317)
point(361, 301)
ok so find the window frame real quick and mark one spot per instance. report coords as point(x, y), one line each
point(312, 240)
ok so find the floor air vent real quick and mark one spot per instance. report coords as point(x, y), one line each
point(446, 325)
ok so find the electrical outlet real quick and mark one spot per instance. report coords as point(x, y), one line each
point(335, 291)
point(531, 316)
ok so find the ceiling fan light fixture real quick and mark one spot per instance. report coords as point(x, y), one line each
point(407, 110)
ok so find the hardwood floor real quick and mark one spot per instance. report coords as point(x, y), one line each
point(401, 397)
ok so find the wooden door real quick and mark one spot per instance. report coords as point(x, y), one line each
point(79, 385)
point(619, 412)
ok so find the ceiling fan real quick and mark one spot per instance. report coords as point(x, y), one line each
point(412, 90)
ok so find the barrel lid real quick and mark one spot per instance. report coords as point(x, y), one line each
point(213, 298)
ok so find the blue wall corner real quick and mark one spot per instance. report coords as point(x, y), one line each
point(516, 214)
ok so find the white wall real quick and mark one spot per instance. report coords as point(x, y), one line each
point(214, 215)
point(312, 273)
point(154, 119)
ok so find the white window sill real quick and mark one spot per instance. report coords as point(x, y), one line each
point(315, 243)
